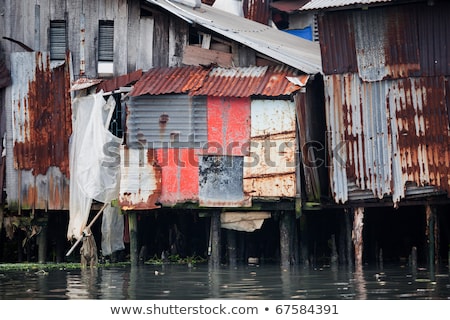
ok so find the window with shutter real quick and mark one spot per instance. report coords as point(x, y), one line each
point(105, 47)
point(58, 40)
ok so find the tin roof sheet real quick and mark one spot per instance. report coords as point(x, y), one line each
point(222, 82)
point(294, 51)
point(327, 4)
point(165, 80)
point(250, 81)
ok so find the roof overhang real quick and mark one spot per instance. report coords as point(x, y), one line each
point(291, 50)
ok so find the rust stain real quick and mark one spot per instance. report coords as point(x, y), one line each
point(47, 131)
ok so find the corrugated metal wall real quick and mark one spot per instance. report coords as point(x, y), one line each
point(386, 100)
point(270, 168)
point(163, 120)
point(384, 134)
point(38, 170)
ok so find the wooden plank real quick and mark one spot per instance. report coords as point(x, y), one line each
point(161, 41)
point(178, 39)
point(91, 18)
point(134, 10)
point(198, 56)
point(145, 44)
point(120, 36)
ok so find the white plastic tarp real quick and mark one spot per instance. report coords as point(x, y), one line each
point(94, 163)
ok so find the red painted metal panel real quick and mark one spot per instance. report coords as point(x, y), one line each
point(228, 126)
point(179, 175)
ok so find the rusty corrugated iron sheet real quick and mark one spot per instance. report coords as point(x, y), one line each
point(41, 114)
point(41, 126)
point(251, 81)
point(386, 135)
point(170, 80)
point(334, 4)
point(120, 81)
point(140, 181)
point(257, 10)
point(84, 83)
point(387, 42)
point(270, 169)
point(221, 82)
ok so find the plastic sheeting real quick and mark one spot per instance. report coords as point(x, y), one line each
point(112, 230)
point(94, 161)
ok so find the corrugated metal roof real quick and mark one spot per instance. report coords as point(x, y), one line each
point(221, 82)
point(170, 80)
point(326, 4)
point(246, 82)
point(294, 51)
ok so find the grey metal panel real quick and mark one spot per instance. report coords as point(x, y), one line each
point(220, 181)
point(162, 121)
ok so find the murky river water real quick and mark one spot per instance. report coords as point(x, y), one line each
point(178, 282)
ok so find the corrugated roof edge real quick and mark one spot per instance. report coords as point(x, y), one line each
point(291, 50)
point(329, 4)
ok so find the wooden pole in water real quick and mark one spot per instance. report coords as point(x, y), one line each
point(357, 235)
point(349, 244)
point(285, 250)
point(214, 259)
point(231, 248)
point(42, 244)
point(431, 217)
point(132, 227)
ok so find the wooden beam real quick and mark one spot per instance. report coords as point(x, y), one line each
point(198, 56)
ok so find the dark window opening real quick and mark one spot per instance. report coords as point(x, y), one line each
point(58, 40)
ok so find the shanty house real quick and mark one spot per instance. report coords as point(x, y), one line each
point(214, 113)
point(386, 67)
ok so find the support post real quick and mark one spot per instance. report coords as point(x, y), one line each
point(358, 216)
point(431, 240)
point(132, 227)
point(214, 259)
point(42, 245)
point(348, 235)
point(231, 248)
point(285, 239)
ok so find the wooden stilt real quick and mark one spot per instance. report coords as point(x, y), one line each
point(214, 259)
point(334, 254)
point(285, 250)
point(349, 244)
point(358, 217)
point(42, 245)
point(414, 259)
point(380, 259)
point(431, 218)
point(304, 241)
point(133, 230)
point(231, 248)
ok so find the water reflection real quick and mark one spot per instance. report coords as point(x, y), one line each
point(245, 282)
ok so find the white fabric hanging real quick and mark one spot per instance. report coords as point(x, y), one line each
point(94, 159)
